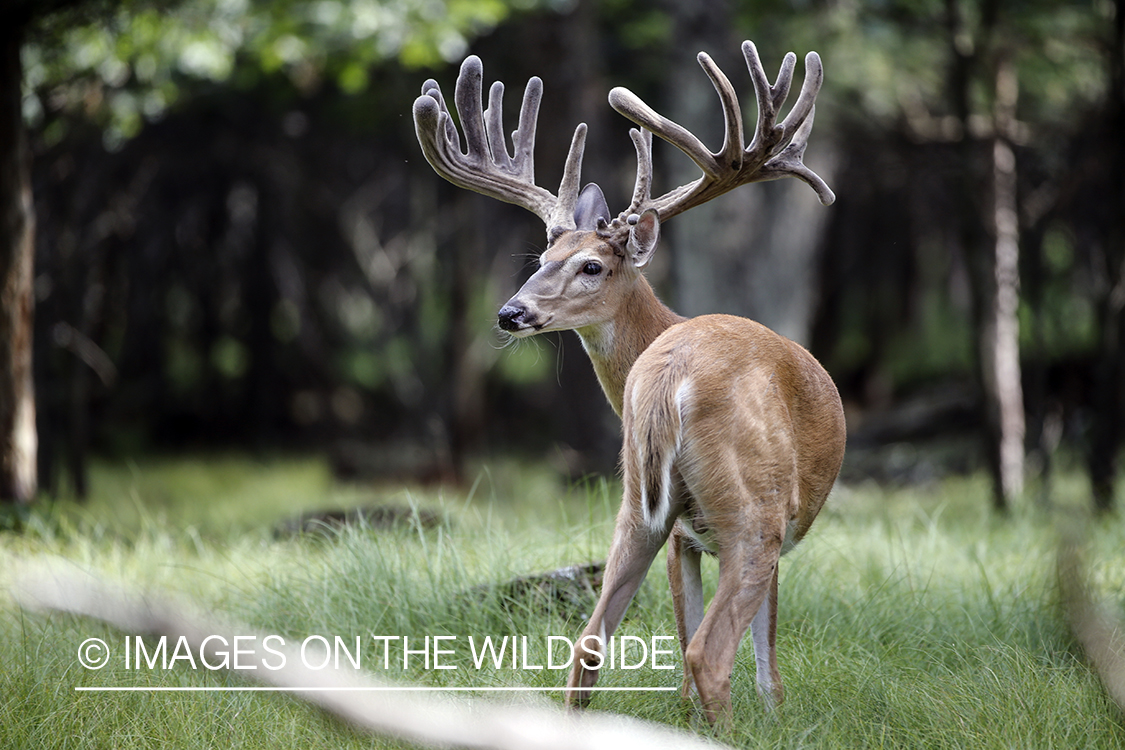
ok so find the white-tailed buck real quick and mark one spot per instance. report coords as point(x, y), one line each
point(733, 435)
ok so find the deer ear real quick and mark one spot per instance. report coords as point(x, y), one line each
point(590, 207)
point(643, 237)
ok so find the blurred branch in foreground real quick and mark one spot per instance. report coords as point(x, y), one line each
point(1099, 631)
point(362, 701)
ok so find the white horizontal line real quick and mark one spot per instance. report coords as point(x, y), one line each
point(389, 688)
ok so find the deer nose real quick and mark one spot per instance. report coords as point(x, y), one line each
point(509, 317)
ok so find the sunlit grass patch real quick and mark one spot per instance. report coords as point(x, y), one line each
point(908, 618)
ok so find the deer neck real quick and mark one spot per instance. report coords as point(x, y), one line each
point(614, 346)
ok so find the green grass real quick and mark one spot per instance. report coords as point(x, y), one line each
point(909, 618)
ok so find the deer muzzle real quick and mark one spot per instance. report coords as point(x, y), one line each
point(515, 317)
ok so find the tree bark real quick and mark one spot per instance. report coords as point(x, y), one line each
point(18, 438)
point(1109, 368)
point(1000, 334)
point(1000, 352)
point(991, 241)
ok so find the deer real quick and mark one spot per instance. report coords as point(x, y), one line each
point(732, 435)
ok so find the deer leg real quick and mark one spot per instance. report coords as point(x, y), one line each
point(633, 550)
point(745, 576)
point(764, 632)
point(686, 584)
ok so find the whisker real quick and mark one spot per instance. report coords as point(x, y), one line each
point(530, 259)
point(504, 339)
point(560, 355)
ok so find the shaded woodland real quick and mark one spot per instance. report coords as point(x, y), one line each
point(267, 261)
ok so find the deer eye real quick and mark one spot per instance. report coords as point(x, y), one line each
point(592, 268)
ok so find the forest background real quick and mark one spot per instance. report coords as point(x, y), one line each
point(219, 231)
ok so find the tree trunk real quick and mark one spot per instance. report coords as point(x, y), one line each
point(1109, 368)
point(18, 440)
point(999, 341)
point(1000, 332)
point(992, 244)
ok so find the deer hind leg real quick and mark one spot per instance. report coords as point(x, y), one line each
point(746, 575)
point(686, 583)
point(764, 632)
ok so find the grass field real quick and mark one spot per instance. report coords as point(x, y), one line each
point(909, 618)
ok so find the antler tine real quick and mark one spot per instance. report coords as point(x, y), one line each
point(731, 154)
point(487, 166)
point(431, 89)
point(769, 136)
point(494, 128)
point(770, 97)
point(775, 151)
point(467, 97)
point(630, 105)
point(563, 214)
point(642, 191)
point(780, 90)
point(523, 137)
point(790, 163)
point(806, 101)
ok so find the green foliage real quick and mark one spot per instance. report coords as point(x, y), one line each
point(1060, 320)
point(891, 59)
point(140, 57)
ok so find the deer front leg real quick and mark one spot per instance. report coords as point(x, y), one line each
point(633, 550)
point(686, 583)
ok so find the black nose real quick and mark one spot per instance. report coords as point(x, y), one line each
point(509, 317)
